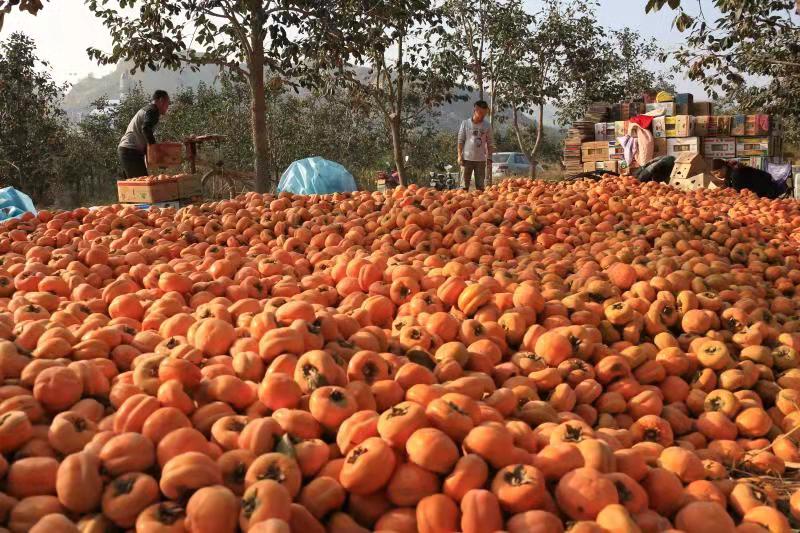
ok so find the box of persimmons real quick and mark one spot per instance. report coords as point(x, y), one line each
point(148, 189)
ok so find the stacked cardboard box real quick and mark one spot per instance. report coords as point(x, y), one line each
point(683, 103)
point(796, 180)
point(626, 110)
point(686, 128)
point(152, 190)
point(597, 151)
point(605, 131)
point(579, 133)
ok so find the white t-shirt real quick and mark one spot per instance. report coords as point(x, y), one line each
point(476, 138)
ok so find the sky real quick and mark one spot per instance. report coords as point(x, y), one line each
point(65, 28)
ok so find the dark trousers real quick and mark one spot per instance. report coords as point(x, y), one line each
point(132, 162)
point(476, 167)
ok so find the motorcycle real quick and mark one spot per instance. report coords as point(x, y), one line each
point(443, 179)
point(387, 179)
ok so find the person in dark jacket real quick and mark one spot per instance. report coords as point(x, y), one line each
point(737, 176)
point(140, 133)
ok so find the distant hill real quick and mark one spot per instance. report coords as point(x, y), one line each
point(116, 83)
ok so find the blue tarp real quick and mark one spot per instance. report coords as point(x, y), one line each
point(316, 175)
point(14, 203)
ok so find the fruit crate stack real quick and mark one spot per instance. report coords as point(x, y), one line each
point(686, 127)
point(163, 190)
point(580, 132)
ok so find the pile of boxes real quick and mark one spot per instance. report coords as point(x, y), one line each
point(688, 129)
point(160, 191)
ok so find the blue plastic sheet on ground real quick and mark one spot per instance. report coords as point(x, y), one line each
point(14, 203)
point(316, 175)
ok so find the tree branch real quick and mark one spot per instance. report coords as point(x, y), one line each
point(238, 28)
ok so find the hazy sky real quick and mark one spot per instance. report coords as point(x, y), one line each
point(65, 28)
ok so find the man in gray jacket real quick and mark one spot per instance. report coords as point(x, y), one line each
point(133, 145)
point(475, 146)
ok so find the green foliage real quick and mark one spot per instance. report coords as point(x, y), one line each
point(247, 40)
point(31, 6)
point(621, 73)
point(750, 54)
point(76, 164)
point(558, 56)
point(468, 23)
point(409, 64)
point(31, 122)
point(251, 41)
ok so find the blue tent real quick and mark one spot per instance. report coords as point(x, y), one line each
point(316, 175)
point(14, 203)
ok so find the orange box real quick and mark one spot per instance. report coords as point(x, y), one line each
point(147, 193)
point(164, 155)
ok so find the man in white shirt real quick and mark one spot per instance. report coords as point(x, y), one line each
point(475, 146)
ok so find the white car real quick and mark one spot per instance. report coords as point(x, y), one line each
point(505, 164)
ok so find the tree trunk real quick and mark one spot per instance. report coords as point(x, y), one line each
point(397, 148)
point(395, 121)
point(518, 131)
point(480, 50)
point(492, 106)
point(258, 107)
point(539, 128)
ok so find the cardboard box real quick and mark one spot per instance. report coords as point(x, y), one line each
point(676, 146)
point(684, 98)
point(659, 147)
point(687, 165)
point(752, 146)
point(604, 131)
point(615, 151)
point(796, 180)
point(758, 162)
point(659, 128)
point(682, 109)
point(712, 126)
point(701, 108)
point(668, 107)
point(189, 186)
point(719, 147)
point(620, 128)
point(175, 204)
point(738, 123)
point(612, 166)
point(147, 193)
point(756, 125)
point(664, 96)
point(624, 110)
point(595, 151)
point(698, 181)
point(679, 126)
point(163, 155)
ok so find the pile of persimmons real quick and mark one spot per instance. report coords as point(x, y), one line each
point(581, 356)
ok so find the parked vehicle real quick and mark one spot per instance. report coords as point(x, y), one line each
point(505, 164)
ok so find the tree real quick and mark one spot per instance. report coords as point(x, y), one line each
point(248, 39)
point(546, 57)
point(750, 53)
point(620, 74)
point(468, 30)
point(32, 125)
point(31, 6)
point(408, 63)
